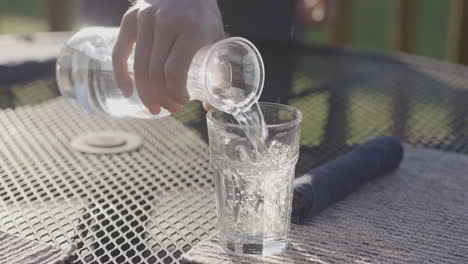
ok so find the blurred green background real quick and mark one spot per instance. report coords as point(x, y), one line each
point(372, 23)
point(22, 16)
point(372, 20)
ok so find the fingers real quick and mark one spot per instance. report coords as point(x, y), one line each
point(177, 66)
point(122, 50)
point(165, 32)
point(144, 43)
point(167, 37)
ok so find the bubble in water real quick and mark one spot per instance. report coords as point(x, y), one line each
point(278, 148)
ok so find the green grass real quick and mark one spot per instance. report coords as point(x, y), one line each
point(23, 8)
point(22, 16)
point(433, 28)
point(372, 22)
point(21, 24)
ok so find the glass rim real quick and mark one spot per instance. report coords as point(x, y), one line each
point(254, 52)
point(297, 120)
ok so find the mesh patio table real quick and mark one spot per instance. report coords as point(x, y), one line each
point(154, 204)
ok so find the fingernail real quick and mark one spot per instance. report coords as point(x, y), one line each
point(127, 89)
point(154, 109)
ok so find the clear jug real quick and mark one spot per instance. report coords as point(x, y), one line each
point(228, 74)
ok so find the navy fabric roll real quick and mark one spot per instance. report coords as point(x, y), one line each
point(331, 182)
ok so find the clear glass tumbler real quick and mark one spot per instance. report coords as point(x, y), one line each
point(254, 190)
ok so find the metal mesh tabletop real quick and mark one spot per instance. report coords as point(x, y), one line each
point(145, 205)
point(154, 204)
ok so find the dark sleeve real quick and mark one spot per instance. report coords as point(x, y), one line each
point(103, 12)
point(260, 19)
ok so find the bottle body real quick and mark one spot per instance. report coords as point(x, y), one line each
point(85, 78)
point(227, 75)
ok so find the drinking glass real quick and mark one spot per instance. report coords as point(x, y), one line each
point(254, 185)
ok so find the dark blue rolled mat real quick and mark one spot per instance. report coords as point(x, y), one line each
point(333, 181)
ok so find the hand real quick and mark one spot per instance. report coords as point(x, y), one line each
point(167, 33)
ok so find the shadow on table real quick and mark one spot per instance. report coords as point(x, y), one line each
point(161, 232)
